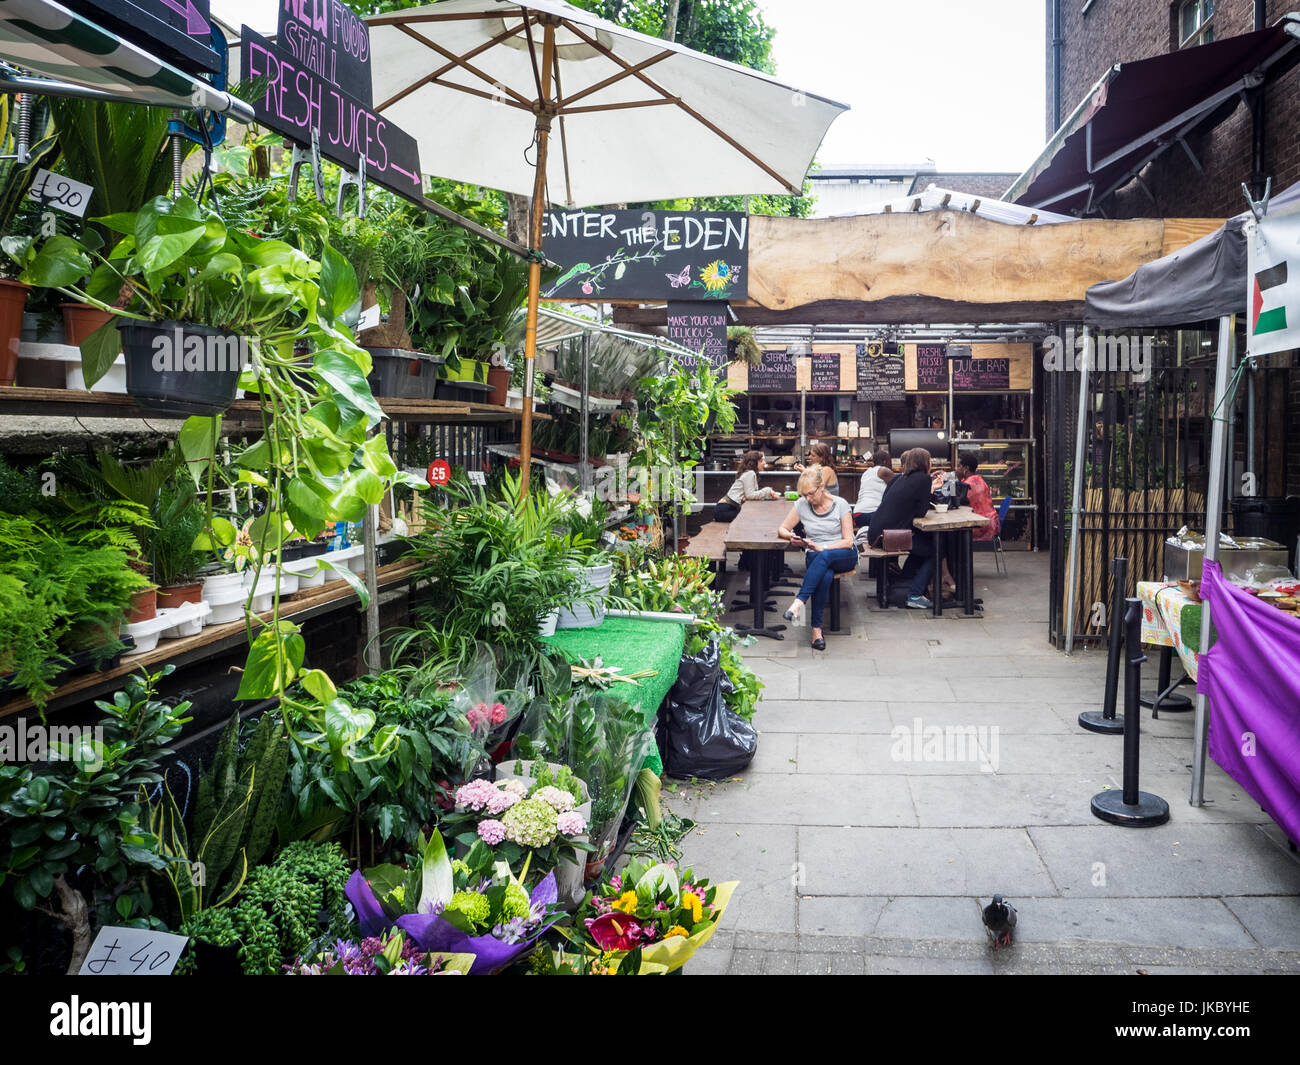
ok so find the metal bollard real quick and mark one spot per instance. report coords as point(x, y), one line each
point(1106, 722)
point(1131, 807)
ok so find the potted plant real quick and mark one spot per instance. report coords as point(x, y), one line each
point(586, 534)
point(742, 346)
point(176, 564)
point(185, 292)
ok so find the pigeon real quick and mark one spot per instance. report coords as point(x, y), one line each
point(999, 920)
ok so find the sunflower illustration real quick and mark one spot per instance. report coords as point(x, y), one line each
point(718, 276)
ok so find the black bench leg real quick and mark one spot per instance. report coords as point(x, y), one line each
point(835, 604)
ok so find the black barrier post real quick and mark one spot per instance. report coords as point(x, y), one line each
point(1106, 722)
point(1131, 807)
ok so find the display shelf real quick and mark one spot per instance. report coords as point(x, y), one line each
point(62, 402)
point(213, 640)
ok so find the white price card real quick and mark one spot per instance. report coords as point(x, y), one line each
point(789, 425)
point(607, 536)
point(133, 952)
point(477, 477)
point(369, 318)
point(61, 193)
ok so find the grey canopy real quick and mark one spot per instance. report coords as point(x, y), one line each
point(1206, 279)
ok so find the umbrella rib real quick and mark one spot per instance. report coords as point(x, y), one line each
point(532, 58)
point(640, 76)
point(564, 140)
point(398, 18)
point(460, 62)
point(563, 102)
point(619, 106)
point(433, 77)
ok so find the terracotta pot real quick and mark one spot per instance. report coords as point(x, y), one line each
point(80, 320)
point(13, 298)
point(499, 379)
point(180, 593)
point(144, 605)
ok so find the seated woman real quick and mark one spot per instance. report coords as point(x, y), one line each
point(820, 455)
point(745, 486)
point(980, 500)
point(906, 499)
point(872, 488)
point(828, 542)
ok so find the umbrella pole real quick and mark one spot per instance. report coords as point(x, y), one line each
point(535, 256)
point(1213, 523)
point(1072, 566)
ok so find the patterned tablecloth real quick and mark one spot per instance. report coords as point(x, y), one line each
point(1171, 619)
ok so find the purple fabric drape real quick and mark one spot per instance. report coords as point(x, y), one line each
point(1252, 678)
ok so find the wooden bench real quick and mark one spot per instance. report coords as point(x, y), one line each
point(882, 581)
point(710, 543)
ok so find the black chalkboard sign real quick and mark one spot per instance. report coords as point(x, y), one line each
point(880, 377)
point(178, 31)
point(825, 372)
point(776, 373)
point(981, 375)
point(931, 368)
point(700, 327)
point(297, 100)
point(328, 38)
point(648, 255)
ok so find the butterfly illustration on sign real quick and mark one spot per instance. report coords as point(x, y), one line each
point(680, 280)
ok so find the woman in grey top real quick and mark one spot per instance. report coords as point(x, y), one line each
point(827, 541)
point(745, 486)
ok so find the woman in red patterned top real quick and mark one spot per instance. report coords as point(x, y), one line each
point(980, 497)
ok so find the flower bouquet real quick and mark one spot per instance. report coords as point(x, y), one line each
point(490, 713)
point(390, 955)
point(474, 906)
point(539, 814)
point(653, 910)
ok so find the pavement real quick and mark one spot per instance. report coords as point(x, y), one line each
point(919, 765)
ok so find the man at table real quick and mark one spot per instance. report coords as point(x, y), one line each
point(906, 499)
point(828, 543)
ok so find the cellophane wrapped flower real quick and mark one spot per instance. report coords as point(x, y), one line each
point(571, 824)
point(530, 823)
point(497, 714)
point(491, 832)
point(557, 799)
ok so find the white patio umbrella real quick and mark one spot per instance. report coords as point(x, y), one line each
point(483, 85)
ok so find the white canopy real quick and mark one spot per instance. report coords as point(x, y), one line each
point(639, 118)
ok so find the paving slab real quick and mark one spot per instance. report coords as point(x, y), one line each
point(765, 862)
point(839, 915)
point(803, 717)
point(773, 798)
point(839, 753)
point(1273, 921)
point(1007, 717)
point(1002, 801)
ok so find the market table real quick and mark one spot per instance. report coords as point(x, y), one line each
point(1171, 620)
point(631, 645)
point(753, 534)
point(960, 522)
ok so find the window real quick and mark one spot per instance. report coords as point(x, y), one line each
point(1195, 22)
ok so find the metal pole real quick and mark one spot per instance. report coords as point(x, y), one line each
point(176, 158)
point(584, 409)
point(803, 423)
point(1106, 722)
point(1250, 422)
point(1072, 566)
point(369, 530)
point(952, 421)
point(1213, 523)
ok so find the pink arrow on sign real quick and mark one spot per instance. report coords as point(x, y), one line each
point(195, 23)
point(415, 179)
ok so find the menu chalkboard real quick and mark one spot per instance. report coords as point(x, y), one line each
point(686, 255)
point(825, 372)
point(328, 38)
point(981, 375)
point(298, 100)
point(931, 368)
point(776, 373)
point(880, 376)
point(700, 327)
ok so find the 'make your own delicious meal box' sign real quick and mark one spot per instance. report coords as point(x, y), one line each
point(647, 255)
point(318, 80)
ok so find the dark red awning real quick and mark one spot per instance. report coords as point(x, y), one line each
point(1140, 109)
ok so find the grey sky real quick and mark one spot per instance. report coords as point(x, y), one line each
point(952, 80)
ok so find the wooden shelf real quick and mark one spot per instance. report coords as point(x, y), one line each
point(213, 640)
point(62, 402)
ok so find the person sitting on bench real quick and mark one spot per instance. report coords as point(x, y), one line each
point(745, 486)
point(906, 499)
point(828, 542)
point(872, 489)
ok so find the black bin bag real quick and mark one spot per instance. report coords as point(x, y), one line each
point(698, 735)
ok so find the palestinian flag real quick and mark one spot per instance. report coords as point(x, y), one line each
point(1273, 283)
point(1274, 318)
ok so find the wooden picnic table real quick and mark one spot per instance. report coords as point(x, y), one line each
point(753, 533)
point(960, 522)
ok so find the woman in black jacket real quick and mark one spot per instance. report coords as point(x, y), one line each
point(906, 499)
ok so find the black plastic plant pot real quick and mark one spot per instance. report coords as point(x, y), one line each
point(316, 547)
point(293, 552)
point(182, 368)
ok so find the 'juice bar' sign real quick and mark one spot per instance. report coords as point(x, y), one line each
point(318, 80)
